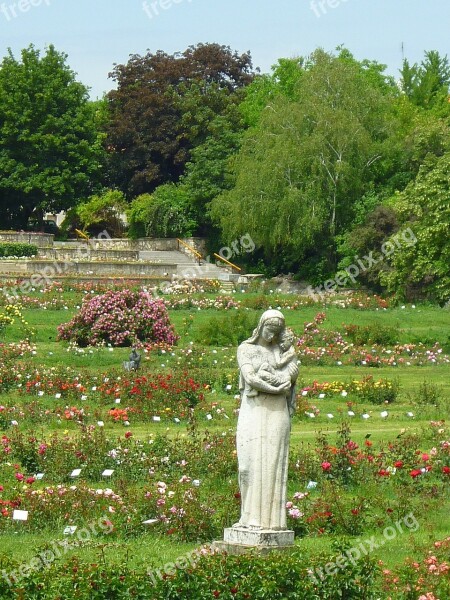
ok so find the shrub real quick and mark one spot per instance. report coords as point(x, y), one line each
point(15, 249)
point(102, 212)
point(230, 330)
point(377, 392)
point(13, 313)
point(371, 334)
point(426, 578)
point(167, 395)
point(258, 302)
point(5, 320)
point(120, 318)
point(198, 574)
point(428, 394)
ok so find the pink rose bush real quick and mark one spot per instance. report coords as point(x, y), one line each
point(119, 318)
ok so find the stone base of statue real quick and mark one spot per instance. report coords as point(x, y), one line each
point(240, 540)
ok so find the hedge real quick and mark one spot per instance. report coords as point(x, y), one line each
point(17, 249)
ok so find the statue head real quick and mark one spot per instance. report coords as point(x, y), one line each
point(287, 339)
point(270, 326)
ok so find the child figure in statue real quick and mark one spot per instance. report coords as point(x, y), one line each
point(270, 375)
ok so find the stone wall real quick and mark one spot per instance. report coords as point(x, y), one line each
point(65, 253)
point(99, 257)
point(46, 269)
point(154, 244)
point(41, 240)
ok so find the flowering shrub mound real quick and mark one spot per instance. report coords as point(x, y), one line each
point(120, 318)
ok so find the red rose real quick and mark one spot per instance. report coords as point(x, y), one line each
point(398, 464)
point(415, 473)
point(326, 466)
point(128, 434)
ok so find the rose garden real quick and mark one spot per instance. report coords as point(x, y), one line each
point(114, 483)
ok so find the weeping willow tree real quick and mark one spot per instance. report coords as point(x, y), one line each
point(307, 161)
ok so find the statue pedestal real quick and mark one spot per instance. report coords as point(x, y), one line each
point(240, 540)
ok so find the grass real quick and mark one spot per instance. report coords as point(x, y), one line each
point(51, 353)
point(423, 324)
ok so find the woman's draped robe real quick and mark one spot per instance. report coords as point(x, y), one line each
point(263, 433)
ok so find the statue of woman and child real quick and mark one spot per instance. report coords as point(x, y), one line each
point(268, 372)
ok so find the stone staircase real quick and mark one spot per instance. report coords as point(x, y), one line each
point(227, 286)
point(182, 266)
point(142, 259)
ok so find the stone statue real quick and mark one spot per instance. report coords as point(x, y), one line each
point(134, 361)
point(268, 371)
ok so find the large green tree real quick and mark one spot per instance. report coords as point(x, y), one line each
point(50, 148)
point(162, 108)
point(282, 81)
point(306, 162)
point(427, 84)
point(421, 268)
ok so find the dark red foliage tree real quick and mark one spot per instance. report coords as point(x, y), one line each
point(161, 109)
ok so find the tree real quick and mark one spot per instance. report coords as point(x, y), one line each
point(283, 81)
point(165, 213)
point(302, 167)
point(427, 84)
point(372, 71)
point(50, 148)
point(208, 173)
point(103, 212)
point(161, 110)
point(366, 239)
point(422, 268)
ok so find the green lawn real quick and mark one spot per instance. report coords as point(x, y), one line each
point(422, 324)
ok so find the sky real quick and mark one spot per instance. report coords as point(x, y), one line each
point(95, 34)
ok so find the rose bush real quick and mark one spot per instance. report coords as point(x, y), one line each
point(121, 318)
